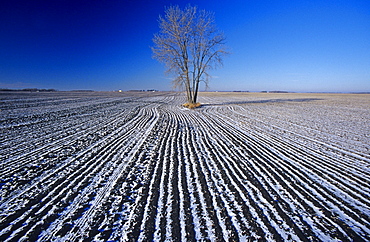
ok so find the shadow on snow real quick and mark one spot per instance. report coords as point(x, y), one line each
point(264, 101)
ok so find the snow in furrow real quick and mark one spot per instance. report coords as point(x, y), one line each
point(330, 186)
point(140, 167)
point(163, 205)
point(199, 213)
point(103, 193)
point(128, 228)
point(328, 179)
point(67, 162)
point(220, 149)
point(74, 160)
point(211, 186)
point(306, 187)
point(88, 189)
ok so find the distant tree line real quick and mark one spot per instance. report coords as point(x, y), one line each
point(142, 90)
point(27, 90)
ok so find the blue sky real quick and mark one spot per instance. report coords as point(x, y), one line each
point(302, 46)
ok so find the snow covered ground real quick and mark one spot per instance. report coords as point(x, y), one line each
point(139, 167)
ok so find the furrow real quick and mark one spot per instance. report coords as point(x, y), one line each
point(89, 169)
point(314, 190)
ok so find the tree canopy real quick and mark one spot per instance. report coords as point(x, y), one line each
point(190, 45)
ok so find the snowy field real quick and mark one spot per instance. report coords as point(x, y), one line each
point(140, 167)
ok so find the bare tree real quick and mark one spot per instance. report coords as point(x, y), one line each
point(190, 45)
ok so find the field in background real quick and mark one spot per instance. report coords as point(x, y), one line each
point(140, 167)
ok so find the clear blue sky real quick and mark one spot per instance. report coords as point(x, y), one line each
point(105, 45)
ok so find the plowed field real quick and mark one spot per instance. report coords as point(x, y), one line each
point(140, 167)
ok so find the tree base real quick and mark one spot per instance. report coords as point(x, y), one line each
point(191, 105)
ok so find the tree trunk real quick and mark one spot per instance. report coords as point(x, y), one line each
point(196, 91)
point(188, 90)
